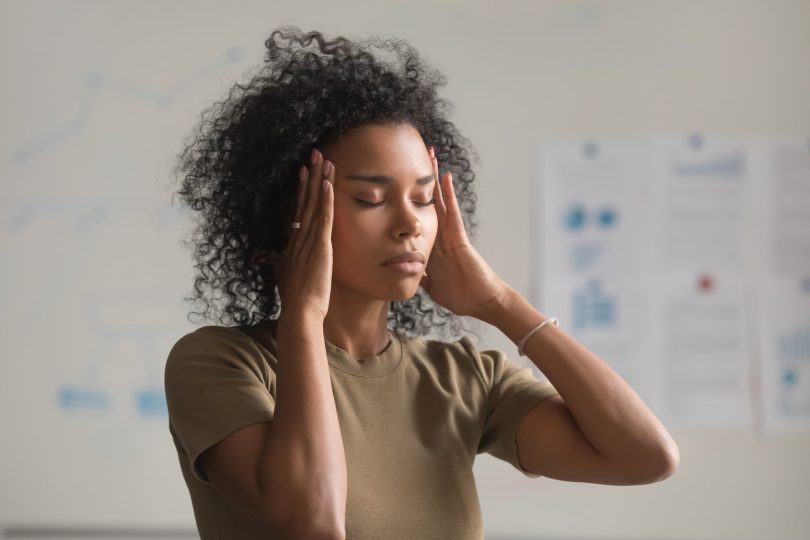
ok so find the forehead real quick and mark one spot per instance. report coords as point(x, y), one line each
point(394, 145)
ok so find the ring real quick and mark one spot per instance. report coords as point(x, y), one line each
point(296, 225)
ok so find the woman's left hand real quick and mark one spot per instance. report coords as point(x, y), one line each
point(458, 278)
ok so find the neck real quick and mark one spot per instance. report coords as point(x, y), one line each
point(358, 326)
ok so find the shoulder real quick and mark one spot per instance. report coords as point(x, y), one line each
point(461, 355)
point(210, 346)
point(492, 367)
point(212, 338)
point(463, 347)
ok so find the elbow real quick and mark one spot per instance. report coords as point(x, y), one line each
point(662, 463)
point(672, 458)
point(649, 467)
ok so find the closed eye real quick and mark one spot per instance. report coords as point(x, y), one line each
point(372, 205)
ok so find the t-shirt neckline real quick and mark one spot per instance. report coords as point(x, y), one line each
point(377, 365)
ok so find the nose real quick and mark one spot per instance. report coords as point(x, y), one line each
point(406, 222)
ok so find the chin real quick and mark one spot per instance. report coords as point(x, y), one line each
point(405, 291)
point(406, 296)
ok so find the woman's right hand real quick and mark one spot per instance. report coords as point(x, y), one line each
point(304, 269)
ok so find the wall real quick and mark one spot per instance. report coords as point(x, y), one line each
point(96, 99)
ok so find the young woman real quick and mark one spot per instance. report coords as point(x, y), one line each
point(330, 189)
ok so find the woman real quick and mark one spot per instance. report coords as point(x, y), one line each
point(323, 412)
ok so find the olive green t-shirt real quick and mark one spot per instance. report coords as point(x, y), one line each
point(412, 418)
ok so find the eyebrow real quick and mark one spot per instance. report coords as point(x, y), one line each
point(384, 180)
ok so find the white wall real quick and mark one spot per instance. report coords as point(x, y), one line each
point(96, 97)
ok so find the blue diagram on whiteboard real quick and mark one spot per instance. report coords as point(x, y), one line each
point(120, 371)
point(116, 344)
point(148, 401)
point(96, 83)
point(574, 218)
point(74, 398)
point(586, 253)
point(577, 217)
point(592, 308)
point(606, 217)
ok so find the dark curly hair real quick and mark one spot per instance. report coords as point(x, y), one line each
point(239, 166)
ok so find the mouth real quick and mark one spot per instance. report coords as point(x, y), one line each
point(408, 256)
point(406, 267)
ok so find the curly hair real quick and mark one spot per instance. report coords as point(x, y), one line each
point(239, 165)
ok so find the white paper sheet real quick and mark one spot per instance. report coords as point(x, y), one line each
point(593, 276)
point(702, 208)
point(783, 164)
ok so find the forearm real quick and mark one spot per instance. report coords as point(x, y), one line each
point(304, 461)
point(610, 414)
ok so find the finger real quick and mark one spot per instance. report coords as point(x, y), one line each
point(313, 187)
point(441, 209)
point(303, 174)
point(294, 233)
point(315, 229)
point(328, 206)
point(453, 212)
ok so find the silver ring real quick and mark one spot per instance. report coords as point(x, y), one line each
point(296, 225)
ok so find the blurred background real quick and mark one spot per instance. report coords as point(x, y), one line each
point(97, 97)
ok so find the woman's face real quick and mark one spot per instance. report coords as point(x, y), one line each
point(388, 166)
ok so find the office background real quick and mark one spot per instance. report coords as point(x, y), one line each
point(97, 97)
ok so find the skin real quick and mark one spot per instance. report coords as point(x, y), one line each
point(364, 237)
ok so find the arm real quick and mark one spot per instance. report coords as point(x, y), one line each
point(305, 464)
point(598, 429)
point(289, 475)
point(295, 477)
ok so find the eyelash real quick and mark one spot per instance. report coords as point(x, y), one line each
point(374, 205)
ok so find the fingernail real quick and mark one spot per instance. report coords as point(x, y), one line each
point(314, 155)
point(326, 185)
point(327, 167)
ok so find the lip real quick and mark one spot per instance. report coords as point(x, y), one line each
point(407, 257)
point(407, 267)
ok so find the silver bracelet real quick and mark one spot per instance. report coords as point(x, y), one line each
point(522, 342)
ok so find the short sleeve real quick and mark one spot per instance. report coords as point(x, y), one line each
point(216, 381)
point(512, 391)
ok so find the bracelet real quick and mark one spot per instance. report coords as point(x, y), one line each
point(522, 342)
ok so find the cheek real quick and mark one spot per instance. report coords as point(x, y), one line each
point(430, 226)
point(351, 236)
